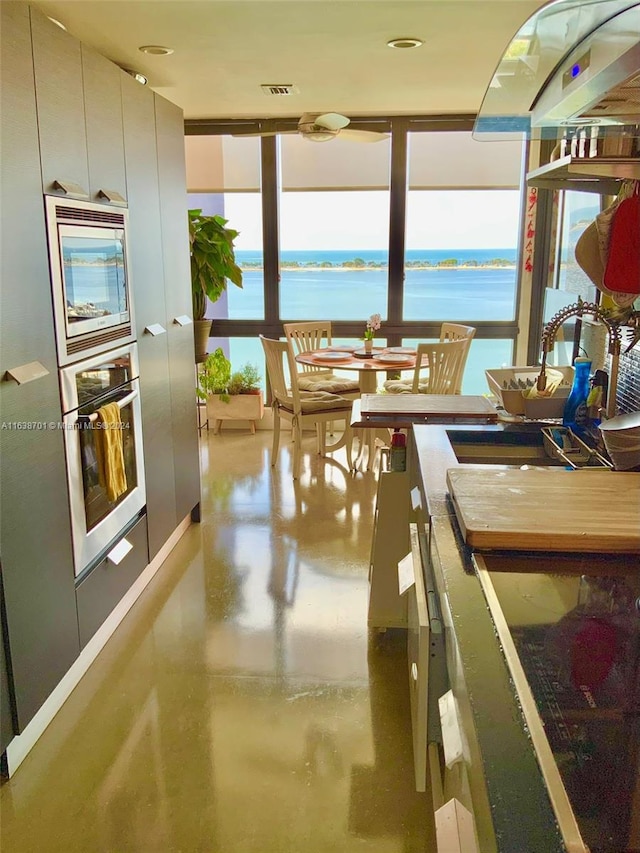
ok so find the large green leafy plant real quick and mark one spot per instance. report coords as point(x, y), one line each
point(213, 259)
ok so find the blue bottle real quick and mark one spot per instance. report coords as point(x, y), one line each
point(575, 415)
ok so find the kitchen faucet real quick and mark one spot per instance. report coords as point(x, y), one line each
point(578, 309)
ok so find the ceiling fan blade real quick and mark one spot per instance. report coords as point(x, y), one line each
point(332, 121)
point(265, 133)
point(362, 135)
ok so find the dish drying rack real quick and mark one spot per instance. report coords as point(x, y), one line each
point(563, 444)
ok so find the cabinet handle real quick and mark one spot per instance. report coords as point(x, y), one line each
point(155, 329)
point(454, 828)
point(71, 189)
point(183, 320)
point(451, 732)
point(406, 575)
point(26, 372)
point(113, 196)
point(414, 671)
point(116, 555)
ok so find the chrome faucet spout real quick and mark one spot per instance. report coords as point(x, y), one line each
point(579, 309)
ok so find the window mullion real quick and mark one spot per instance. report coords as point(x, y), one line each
point(269, 171)
point(397, 215)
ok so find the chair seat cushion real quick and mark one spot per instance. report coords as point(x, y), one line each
point(400, 386)
point(326, 382)
point(318, 401)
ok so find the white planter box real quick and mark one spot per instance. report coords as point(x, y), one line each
point(241, 407)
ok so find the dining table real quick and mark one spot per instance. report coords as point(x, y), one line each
point(368, 365)
point(345, 357)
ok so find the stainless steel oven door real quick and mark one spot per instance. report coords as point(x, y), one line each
point(96, 519)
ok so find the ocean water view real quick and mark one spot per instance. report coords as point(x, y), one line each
point(314, 281)
point(324, 284)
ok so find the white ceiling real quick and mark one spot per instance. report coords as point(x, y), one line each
point(334, 51)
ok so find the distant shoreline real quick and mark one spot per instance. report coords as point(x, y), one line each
point(429, 267)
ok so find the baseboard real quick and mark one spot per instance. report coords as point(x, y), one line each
point(21, 744)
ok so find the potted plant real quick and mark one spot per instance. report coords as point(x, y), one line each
point(213, 261)
point(230, 395)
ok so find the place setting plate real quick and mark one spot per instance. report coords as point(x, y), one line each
point(394, 358)
point(402, 350)
point(346, 348)
point(333, 355)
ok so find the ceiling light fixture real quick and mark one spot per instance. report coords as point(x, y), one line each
point(404, 43)
point(156, 49)
point(136, 76)
point(57, 23)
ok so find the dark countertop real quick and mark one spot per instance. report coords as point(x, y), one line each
point(511, 805)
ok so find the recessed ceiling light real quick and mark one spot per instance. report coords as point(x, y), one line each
point(57, 23)
point(156, 49)
point(404, 43)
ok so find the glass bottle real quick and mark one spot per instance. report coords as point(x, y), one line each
point(575, 409)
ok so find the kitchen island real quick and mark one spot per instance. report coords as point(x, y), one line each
point(499, 778)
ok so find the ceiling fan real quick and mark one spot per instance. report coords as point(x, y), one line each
point(324, 127)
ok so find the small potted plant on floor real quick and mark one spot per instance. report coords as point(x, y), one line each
point(213, 261)
point(235, 396)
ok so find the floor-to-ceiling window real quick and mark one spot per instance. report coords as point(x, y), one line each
point(422, 226)
point(568, 282)
point(334, 228)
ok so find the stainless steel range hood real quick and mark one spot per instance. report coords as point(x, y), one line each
point(571, 64)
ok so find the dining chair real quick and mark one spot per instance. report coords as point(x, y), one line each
point(443, 359)
point(455, 332)
point(309, 336)
point(303, 409)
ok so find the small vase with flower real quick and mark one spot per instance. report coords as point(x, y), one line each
point(373, 324)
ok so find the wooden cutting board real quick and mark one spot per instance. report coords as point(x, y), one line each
point(436, 405)
point(550, 510)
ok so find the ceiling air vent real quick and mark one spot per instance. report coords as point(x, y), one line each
point(279, 89)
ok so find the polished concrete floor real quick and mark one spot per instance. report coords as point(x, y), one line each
point(241, 707)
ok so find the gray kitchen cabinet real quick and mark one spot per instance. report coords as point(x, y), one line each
point(35, 532)
point(57, 63)
point(177, 282)
point(79, 104)
point(105, 585)
point(105, 138)
point(147, 277)
point(6, 711)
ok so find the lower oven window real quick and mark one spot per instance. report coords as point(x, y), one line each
point(96, 501)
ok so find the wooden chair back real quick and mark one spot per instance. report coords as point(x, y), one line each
point(306, 337)
point(444, 360)
point(457, 332)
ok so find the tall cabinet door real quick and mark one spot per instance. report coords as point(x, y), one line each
point(147, 277)
point(105, 139)
point(37, 563)
point(57, 63)
point(177, 279)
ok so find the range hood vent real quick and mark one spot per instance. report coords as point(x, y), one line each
point(621, 103)
point(572, 63)
point(598, 82)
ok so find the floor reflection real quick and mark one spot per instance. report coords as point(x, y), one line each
point(239, 707)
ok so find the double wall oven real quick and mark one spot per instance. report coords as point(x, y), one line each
point(97, 357)
point(88, 386)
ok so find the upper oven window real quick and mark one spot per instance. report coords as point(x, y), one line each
point(94, 274)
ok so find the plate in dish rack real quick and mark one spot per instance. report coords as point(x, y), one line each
point(393, 358)
point(332, 355)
